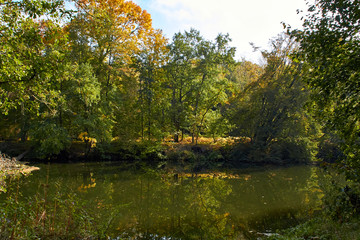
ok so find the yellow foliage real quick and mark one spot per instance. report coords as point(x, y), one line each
point(85, 138)
point(92, 184)
point(129, 26)
point(217, 175)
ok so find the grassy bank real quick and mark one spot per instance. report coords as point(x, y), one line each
point(57, 214)
point(207, 154)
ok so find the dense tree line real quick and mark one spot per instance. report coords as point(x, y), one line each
point(102, 74)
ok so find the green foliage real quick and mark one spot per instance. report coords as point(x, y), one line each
point(329, 52)
point(270, 111)
point(196, 77)
point(218, 125)
point(83, 88)
point(82, 108)
point(31, 53)
point(49, 139)
point(148, 151)
point(341, 201)
point(152, 101)
point(319, 228)
point(99, 78)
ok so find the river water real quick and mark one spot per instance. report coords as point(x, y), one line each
point(136, 201)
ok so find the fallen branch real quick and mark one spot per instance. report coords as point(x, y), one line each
point(12, 166)
point(21, 156)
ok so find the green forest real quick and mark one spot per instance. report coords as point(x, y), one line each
point(97, 82)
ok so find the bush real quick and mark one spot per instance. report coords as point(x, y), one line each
point(49, 139)
point(341, 200)
point(277, 152)
point(330, 152)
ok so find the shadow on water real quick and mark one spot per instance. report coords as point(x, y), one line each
point(147, 204)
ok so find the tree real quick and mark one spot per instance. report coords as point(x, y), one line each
point(108, 34)
point(243, 73)
point(196, 75)
point(329, 52)
point(152, 95)
point(270, 111)
point(30, 49)
point(32, 57)
point(112, 36)
point(215, 61)
point(181, 73)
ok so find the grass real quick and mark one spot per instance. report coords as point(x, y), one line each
point(322, 228)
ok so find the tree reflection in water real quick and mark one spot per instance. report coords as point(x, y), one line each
point(147, 204)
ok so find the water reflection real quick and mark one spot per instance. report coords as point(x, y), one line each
point(146, 204)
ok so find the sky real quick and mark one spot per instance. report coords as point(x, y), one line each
point(245, 21)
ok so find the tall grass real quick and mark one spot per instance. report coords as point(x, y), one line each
point(60, 215)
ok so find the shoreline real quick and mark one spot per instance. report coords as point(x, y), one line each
point(12, 166)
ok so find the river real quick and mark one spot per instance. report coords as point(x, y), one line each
point(137, 202)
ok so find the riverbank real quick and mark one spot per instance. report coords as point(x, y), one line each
point(12, 165)
point(166, 172)
point(321, 228)
point(181, 156)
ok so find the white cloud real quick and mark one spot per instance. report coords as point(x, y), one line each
point(245, 20)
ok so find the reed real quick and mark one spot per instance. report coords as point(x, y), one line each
point(59, 215)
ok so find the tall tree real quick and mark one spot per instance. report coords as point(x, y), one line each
point(197, 78)
point(110, 35)
point(215, 61)
point(180, 75)
point(152, 95)
point(113, 31)
point(271, 110)
point(329, 51)
point(33, 48)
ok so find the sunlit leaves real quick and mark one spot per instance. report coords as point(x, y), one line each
point(83, 87)
point(271, 110)
point(196, 75)
point(30, 52)
point(329, 51)
point(114, 27)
